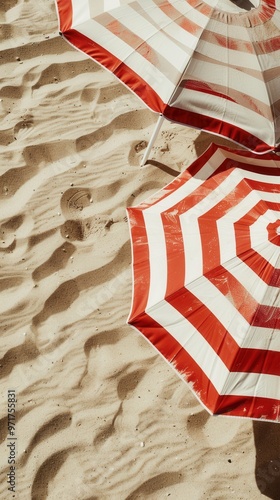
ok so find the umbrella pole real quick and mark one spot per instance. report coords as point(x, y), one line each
point(152, 140)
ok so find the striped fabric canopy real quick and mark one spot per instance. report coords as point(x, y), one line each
point(209, 64)
point(206, 272)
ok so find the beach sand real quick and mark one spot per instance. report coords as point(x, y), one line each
point(99, 414)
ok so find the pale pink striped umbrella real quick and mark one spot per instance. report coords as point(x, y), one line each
point(206, 273)
point(209, 64)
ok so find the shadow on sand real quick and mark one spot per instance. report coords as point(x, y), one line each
point(267, 470)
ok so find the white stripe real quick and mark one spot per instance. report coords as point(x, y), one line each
point(269, 61)
point(80, 12)
point(263, 338)
point(237, 32)
point(258, 161)
point(192, 248)
point(252, 385)
point(156, 239)
point(157, 258)
point(265, 179)
point(111, 4)
point(175, 196)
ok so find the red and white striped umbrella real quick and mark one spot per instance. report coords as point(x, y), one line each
point(206, 269)
point(209, 64)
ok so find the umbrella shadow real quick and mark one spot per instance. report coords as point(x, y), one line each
point(267, 469)
point(204, 139)
point(163, 167)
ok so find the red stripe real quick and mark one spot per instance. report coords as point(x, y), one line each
point(251, 407)
point(267, 317)
point(174, 252)
point(203, 87)
point(65, 14)
point(266, 186)
point(254, 167)
point(248, 161)
point(259, 265)
point(219, 127)
point(257, 361)
point(141, 267)
point(227, 42)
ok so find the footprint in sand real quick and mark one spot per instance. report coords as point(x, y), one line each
point(14, 230)
point(74, 201)
point(76, 228)
point(80, 230)
point(24, 127)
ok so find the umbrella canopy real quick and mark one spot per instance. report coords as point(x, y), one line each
point(206, 272)
point(213, 64)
